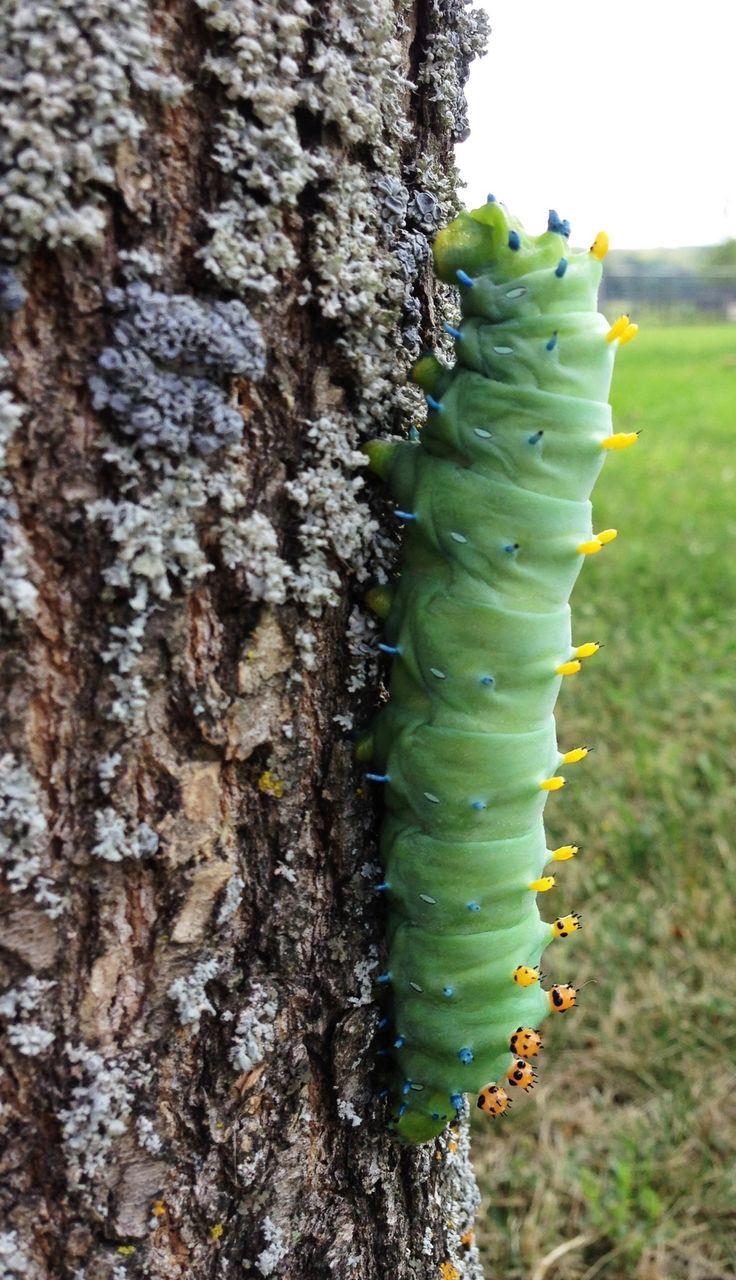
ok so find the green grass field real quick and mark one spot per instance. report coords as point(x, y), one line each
point(622, 1162)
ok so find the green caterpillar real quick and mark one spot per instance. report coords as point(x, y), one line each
point(495, 496)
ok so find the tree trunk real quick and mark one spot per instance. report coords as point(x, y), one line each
point(215, 246)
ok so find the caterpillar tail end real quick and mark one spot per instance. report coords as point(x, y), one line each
point(411, 1125)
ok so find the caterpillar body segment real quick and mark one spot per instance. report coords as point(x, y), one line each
point(495, 500)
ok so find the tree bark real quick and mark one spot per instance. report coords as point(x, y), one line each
point(215, 246)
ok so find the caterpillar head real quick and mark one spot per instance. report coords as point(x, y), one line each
point(493, 1100)
point(521, 1074)
point(562, 997)
point(491, 237)
point(565, 925)
point(525, 1042)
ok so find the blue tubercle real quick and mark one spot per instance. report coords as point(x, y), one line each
point(490, 199)
point(552, 343)
point(453, 332)
point(561, 268)
point(389, 648)
point(514, 240)
point(558, 224)
point(405, 515)
point(466, 1056)
point(464, 278)
point(433, 404)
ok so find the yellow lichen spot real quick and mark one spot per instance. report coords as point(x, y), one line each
point(599, 247)
point(250, 654)
point(552, 784)
point(542, 885)
point(628, 334)
point(617, 328)
point(216, 1231)
point(452, 1146)
point(158, 1209)
point(448, 1271)
point(468, 1238)
point(564, 852)
point(568, 668)
point(587, 650)
point(620, 440)
point(125, 1250)
point(575, 756)
point(270, 785)
point(607, 535)
point(590, 548)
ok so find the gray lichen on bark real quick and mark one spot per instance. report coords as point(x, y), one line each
point(190, 931)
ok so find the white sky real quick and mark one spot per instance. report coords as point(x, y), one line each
point(618, 115)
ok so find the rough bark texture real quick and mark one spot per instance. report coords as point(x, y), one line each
point(216, 218)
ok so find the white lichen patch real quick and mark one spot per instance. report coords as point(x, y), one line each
point(147, 1137)
point(24, 836)
point(364, 973)
point(67, 70)
point(347, 1112)
point(98, 1112)
point(18, 595)
point(190, 995)
point(451, 48)
point(115, 840)
point(24, 1033)
point(254, 1032)
point(14, 1259)
point(276, 1249)
point(231, 899)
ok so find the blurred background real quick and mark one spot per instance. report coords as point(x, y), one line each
point(622, 1162)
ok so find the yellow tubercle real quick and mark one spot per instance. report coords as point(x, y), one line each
point(564, 852)
point(216, 1231)
point(525, 976)
point(552, 784)
point(577, 753)
point(617, 328)
point(599, 247)
point(620, 440)
point(607, 535)
point(628, 334)
point(590, 548)
point(565, 925)
point(587, 650)
point(570, 668)
point(542, 885)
